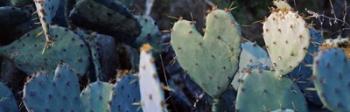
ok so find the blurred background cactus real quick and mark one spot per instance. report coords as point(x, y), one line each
point(174, 55)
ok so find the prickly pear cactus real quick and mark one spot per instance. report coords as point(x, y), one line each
point(252, 56)
point(106, 17)
point(331, 74)
point(7, 100)
point(263, 91)
point(96, 97)
point(42, 94)
point(12, 16)
point(46, 10)
point(126, 94)
point(14, 23)
point(302, 74)
point(90, 39)
point(149, 33)
point(21, 2)
point(152, 97)
point(286, 37)
point(68, 48)
point(212, 60)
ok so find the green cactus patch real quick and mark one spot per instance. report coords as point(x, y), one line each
point(262, 91)
point(96, 97)
point(212, 60)
point(43, 94)
point(252, 56)
point(26, 52)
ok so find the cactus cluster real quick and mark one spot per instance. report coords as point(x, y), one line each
point(99, 56)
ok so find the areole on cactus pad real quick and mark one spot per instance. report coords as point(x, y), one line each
point(212, 60)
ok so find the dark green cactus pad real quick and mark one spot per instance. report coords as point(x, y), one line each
point(126, 94)
point(14, 23)
point(332, 74)
point(12, 16)
point(106, 17)
point(104, 55)
point(7, 100)
point(149, 33)
point(96, 97)
point(212, 60)
point(95, 56)
point(4, 3)
point(26, 52)
point(21, 2)
point(263, 91)
point(127, 3)
point(60, 94)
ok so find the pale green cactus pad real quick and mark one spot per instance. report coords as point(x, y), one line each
point(152, 96)
point(212, 60)
point(263, 91)
point(287, 39)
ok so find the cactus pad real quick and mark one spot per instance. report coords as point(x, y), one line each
point(263, 91)
point(252, 56)
point(7, 100)
point(149, 33)
point(302, 74)
point(42, 94)
point(287, 39)
point(106, 17)
point(96, 97)
point(126, 94)
point(152, 97)
point(212, 60)
point(332, 74)
point(68, 48)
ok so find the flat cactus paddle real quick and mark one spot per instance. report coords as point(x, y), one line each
point(287, 39)
point(331, 79)
point(96, 97)
point(7, 100)
point(68, 48)
point(43, 94)
point(263, 91)
point(212, 60)
point(152, 96)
